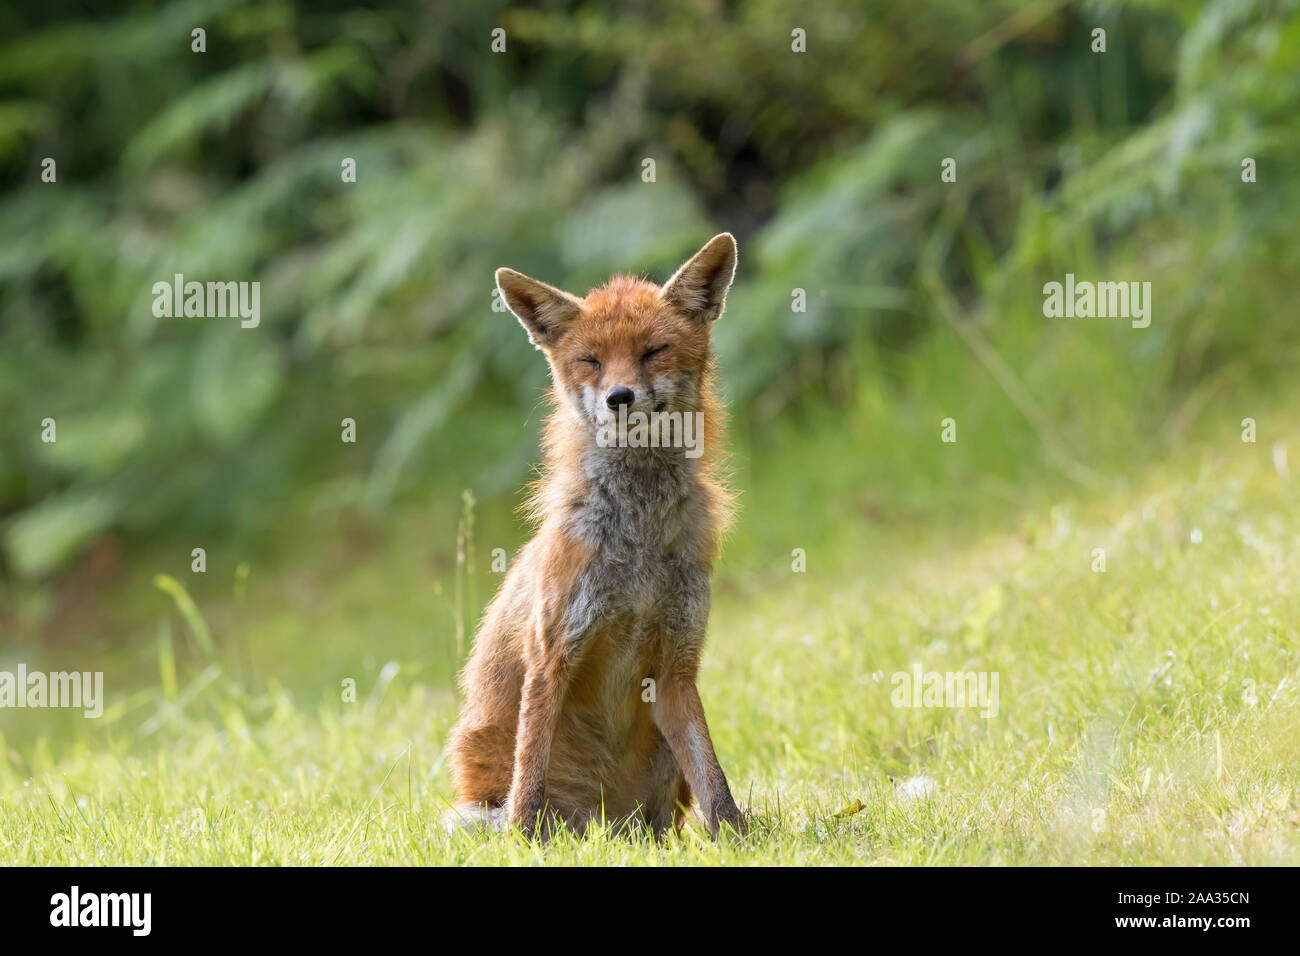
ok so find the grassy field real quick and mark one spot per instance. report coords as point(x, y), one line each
point(1099, 538)
point(1147, 714)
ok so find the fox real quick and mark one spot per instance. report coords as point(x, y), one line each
point(579, 697)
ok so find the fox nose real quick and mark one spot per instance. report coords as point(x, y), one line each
point(620, 395)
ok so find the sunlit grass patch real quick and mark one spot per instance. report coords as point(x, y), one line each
point(1146, 711)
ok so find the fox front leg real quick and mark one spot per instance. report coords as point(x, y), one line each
point(551, 652)
point(679, 714)
point(539, 709)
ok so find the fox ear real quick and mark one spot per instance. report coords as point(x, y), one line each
point(700, 286)
point(544, 311)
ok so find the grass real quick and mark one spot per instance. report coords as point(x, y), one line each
point(1147, 715)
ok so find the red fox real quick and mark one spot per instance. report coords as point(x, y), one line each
point(580, 700)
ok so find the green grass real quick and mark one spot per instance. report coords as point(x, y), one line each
point(1147, 714)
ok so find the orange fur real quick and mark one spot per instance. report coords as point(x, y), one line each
point(613, 589)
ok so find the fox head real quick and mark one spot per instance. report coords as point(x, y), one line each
point(629, 343)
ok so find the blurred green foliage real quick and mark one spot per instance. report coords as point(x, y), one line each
point(376, 295)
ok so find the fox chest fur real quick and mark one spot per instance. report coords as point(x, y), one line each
point(646, 529)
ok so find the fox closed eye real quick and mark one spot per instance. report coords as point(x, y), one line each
point(652, 353)
point(590, 360)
